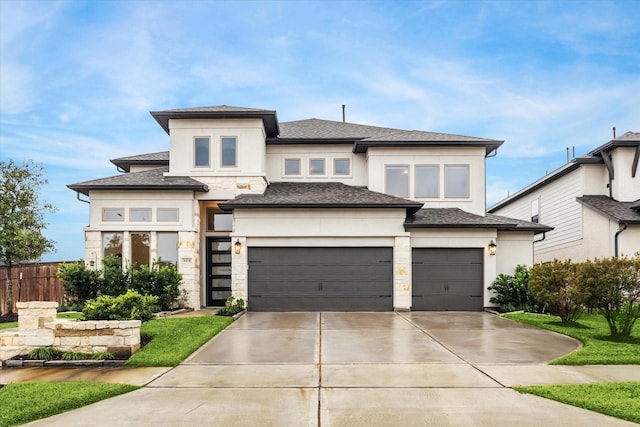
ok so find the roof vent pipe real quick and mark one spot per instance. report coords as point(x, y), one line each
point(614, 132)
point(567, 154)
point(343, 115)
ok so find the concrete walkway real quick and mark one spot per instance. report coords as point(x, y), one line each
point(350, 369)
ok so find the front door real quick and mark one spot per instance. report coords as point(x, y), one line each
point(218, 270)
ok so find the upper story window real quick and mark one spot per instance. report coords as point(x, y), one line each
point(456, 181)
point(229, 156)
point(427, 182)
point(292, 166)
point(167, 214)
point(535, 210)
point(397, 180)
point(341, 167)
point(140, 214)
point(201, 149)
point(113, 214)
point(316, 167)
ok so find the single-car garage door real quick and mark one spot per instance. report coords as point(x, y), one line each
point(448, 279)
point(320, 279)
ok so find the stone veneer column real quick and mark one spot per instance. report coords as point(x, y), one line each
point(189, 266)
point(402, 274)
point(239, 271)
point(32, 316)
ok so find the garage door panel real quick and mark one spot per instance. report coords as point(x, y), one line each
point(448, 279)
point(327, 279)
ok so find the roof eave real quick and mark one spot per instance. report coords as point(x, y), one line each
point(85, 189)
point(410, 207)
point(269, 118)
point(363, 146)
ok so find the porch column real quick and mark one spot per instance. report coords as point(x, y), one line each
point(239, 269)
point(402, 273)
point(189, 266)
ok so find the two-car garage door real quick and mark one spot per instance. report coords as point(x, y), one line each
point(361, 279)
point(320, 279)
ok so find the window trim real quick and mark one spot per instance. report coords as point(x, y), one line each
point(235, 152)
point(348, 160)
point(195, 152)
point(415, 181)
point(466, 166)
point(408, 168)
point(284, 166)
point(324, 166)
point(118, 211)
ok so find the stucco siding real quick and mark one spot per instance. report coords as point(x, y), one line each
point(625, 187)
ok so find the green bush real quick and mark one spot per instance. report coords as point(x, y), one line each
point(162, 281)
point(512, 292)
point(115, 279)
point(128, 306)
point(612, 288)
point(554, 285)
point(231, 306)
point(80, 284)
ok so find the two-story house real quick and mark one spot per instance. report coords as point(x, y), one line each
point(309, 215)
point(593, 203)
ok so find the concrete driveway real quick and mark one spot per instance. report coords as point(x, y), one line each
point(351, 369)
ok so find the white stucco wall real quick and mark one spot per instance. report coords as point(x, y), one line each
point(379, 157)
point(625, 187)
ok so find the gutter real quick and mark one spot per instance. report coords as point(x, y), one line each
point(623, 226)
point(544, 236)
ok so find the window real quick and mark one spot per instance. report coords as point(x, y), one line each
point(456, 181)
point(427, 183)
point(113, 214)
point(341, 167)
point(168, 214)
point(397, 180)
point(535, 210)
point(316, 167)
point(112, 244)
point(201, 151)
point(168, 249)
point(219, 221)
point(292, 166)
point(139, 249)
point(228, 152)
point(140, 214)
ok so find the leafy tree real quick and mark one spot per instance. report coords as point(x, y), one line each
point(21, 217)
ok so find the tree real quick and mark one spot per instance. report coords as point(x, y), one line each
point(21, 217)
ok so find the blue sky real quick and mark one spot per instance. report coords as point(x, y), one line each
point(78, 78)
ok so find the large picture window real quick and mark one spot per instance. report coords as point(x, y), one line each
point(229, 152)
point(112, 244)
point(397, 180)
point(140, 249)
point(427, 182)
point(456, 181)
point(168, 249)
point(201, 149)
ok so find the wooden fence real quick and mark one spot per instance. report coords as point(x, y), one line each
point(32, 282)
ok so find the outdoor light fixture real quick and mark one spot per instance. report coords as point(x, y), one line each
point(492, 248)
point(236, 246)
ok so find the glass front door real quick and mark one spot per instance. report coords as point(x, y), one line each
point(218, 270)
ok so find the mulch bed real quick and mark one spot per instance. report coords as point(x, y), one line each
point(9, 317)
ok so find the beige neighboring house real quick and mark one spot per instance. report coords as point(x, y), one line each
point(309, 215)
point(593, 203)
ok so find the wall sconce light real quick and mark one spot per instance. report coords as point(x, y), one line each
point(492, 248)
point(236, 246)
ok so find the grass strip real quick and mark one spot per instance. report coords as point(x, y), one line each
point(176, 338)
point(25, 402)
point(620, 400)
point(598, 347)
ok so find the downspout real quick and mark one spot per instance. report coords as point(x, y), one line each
point(544, 236)
point(620, 230)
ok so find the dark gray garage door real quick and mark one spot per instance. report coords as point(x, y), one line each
point(448, 279)
point(320, 279)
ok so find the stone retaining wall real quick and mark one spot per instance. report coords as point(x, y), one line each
point(39, 327)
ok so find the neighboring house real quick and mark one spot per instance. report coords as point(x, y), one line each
point(309, 215)
point(593, 203)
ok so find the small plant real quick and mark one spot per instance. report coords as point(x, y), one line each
point(231, 306)
point(103, 355)
point(44, 353)
point(74, 355)
point(512, 292)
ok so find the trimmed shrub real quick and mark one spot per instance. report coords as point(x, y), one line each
point(554, 285)
point(612, 288)
point(512, 292)
point(161, 281)
point(80, 284)
point(129, 306)
point(115, 279)
point(231, 306)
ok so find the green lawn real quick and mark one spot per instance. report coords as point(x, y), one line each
point(25, 402)
point(176, 338)
point(621, 400)
point(599, 348)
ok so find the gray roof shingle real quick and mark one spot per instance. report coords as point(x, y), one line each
point(622, 212)
point(457, 218)
point(153, 179)
point(158, 159)
point(318, 195)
